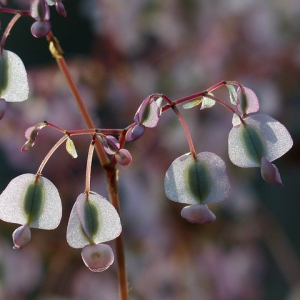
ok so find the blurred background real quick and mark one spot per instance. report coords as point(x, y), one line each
point(119, 52)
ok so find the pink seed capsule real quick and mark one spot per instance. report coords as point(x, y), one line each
point(97, 257)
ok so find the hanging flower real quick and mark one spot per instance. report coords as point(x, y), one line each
point(256, 141)
point(93, 220)
point(32, 201)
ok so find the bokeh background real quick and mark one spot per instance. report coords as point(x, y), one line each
point(119, 52)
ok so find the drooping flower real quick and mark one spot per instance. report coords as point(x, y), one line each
point(197, 182)
point(147, 115)
point(93, 220)
point(32, 201)
point(39, 10)
point(256, 141)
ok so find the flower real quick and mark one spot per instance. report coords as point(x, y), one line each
point(32, 201)
point(147, 115)
point(256, 141)
point(198, 182)
point(93, 220)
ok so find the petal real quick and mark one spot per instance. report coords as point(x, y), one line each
point(92, 218)
point(39, 10)
point(13, 78)
point(269, 172)
point(70, 147)
point(110, 144)
point(232, 94)
point(207, 102)
point(258, 136)
point(191, 182)
point(198, 214)
point(21, 236)
point(97, 257)
point(148, 113)
point(26, 201)
point(123, 157)
point(60, 8)
point(247, 102)
point(192, 103)
point(135, 132)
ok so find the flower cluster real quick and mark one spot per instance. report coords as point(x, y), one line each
point(39, 10)
point(254, 141)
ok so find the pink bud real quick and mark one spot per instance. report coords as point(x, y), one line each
point(40, 28)
point(123, 157)
point(198, 214)
point(97, 257)
point(269, 172)
point(21, 236)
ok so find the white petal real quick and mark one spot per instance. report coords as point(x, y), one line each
point(275, 137)
point(176, 188)
point(109, 220)
point(12, 203)
point(17, 88)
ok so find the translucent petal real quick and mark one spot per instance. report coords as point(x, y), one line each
point(272, 134)
point(270, 173)
point(135, 132)
point(70, 147)
point(198, 214)
point(13, 78)
point(138, 117)
point(247, 102)
point(192, 104)
point(209, 183)
point(108, 228)
point(232, 94)
point(207, 102)
point(236, 120)
point(39, 10)
point(14, 206)
point(151, 115)
point(21, 236)
point(97, 257)
point(123, 157)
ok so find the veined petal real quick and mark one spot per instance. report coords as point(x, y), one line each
point(92, 218)
point(247, 102)
point(258, 136)
point(203, 181)
point(27, 201)
point(13, 78)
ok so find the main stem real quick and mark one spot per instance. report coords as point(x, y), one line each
point(109, 167)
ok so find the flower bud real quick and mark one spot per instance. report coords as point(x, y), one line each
point(21, 236)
